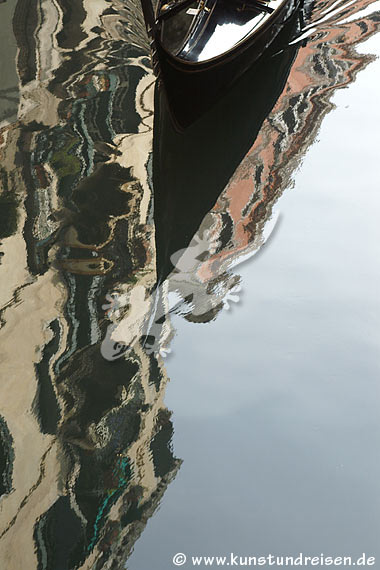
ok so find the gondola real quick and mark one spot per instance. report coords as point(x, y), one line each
point(201, 47)
point(192, 167)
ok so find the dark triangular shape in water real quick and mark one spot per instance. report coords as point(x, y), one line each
point(191, 168)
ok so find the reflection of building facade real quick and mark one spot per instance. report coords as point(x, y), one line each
point(328, 62)
point(85, 445)
point(85, 449)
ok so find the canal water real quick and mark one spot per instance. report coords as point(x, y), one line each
point(237, 259)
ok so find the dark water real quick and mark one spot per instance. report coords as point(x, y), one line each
point(120, 244)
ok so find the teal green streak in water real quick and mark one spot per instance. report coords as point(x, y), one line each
point(110, 500)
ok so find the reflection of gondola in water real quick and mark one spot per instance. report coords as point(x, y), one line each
point(191, 168)
point(201, 47)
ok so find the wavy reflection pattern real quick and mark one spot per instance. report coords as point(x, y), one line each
point(85, 443)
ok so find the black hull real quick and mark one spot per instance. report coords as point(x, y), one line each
point(191, 168)
point(192, 88)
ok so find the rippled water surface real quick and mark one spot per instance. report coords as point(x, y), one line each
point(238, 258)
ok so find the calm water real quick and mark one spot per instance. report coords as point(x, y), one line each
point(123, 240)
